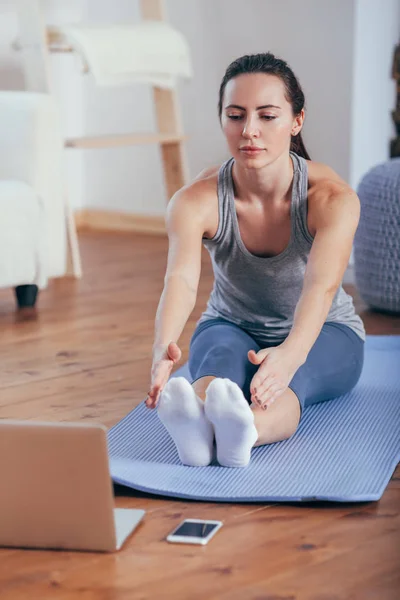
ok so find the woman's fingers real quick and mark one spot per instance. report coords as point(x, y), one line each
point(160, 373)
point(266, 385)
point(258, 381)
point(152, 400)
point(271, 394)
point(153, 393)
point(262, 386)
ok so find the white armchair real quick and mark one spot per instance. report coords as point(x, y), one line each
point(33, 211)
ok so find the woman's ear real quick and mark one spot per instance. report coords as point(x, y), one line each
point(298, 122)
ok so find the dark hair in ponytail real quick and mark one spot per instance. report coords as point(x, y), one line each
point(269, 64)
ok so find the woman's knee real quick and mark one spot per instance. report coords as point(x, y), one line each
point(221, 361)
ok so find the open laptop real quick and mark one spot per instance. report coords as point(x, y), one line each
point(56, 490)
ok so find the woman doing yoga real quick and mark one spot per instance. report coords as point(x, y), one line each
point(279, 332)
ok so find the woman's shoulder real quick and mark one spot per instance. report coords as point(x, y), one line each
point(209, 172)
point(326, 190)
point(319, 172)
point(203, 186)
point(324, 182)
point(199, 200)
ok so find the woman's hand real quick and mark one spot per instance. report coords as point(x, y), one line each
point(163, 362)
point(277, 368)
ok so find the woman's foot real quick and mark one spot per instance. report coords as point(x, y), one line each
point(233, 421)
point(182, 414)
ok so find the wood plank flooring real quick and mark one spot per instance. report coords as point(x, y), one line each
point(85, 354)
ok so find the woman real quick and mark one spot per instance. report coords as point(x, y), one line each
point(279, 332)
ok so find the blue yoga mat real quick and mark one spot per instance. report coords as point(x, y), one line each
point(344, 451)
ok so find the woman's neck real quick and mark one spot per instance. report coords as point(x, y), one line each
point(270, 184)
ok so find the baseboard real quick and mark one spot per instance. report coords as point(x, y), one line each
point(104, 220)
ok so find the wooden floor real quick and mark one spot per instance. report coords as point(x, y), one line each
point(86, 355)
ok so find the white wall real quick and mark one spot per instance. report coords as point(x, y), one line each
point(328, 44)
point(315, 38)
point(377, 31)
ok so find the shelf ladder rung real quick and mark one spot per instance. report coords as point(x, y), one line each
point(125, 139)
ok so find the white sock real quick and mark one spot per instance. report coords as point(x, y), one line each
point(233, 420)
point(182, 414)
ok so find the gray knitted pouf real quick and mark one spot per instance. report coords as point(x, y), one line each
point(377, 240)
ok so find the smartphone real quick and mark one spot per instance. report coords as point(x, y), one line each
point(194, 531)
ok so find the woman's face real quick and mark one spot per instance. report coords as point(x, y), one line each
point(256, 114)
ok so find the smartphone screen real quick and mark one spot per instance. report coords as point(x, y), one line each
point(193, 529)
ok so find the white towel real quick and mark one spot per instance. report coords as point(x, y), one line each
point(148, 52)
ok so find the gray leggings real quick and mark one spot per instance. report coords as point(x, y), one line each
point(219, 348)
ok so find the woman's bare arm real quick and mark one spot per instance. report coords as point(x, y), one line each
point(334, 216)
point(185, 220)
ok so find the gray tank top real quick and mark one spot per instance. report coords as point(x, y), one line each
point(261, 294)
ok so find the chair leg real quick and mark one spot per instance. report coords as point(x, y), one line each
point(26, 295)
point(74, 265)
